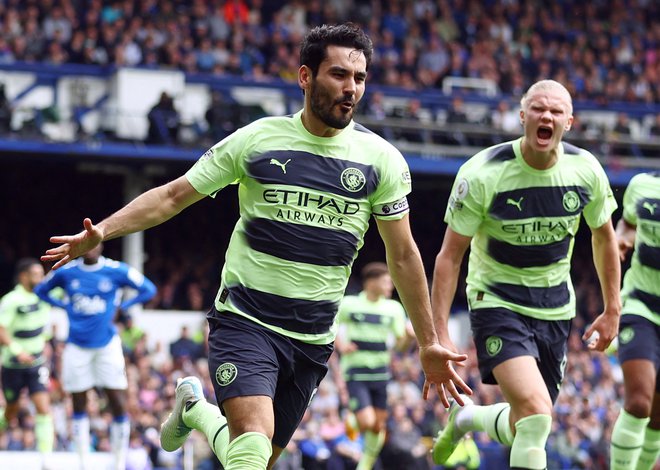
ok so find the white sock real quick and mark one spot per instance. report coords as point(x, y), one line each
point(80, 429)
point(120, 431)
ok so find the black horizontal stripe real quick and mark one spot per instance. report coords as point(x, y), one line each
point(648, 209)
point(370, 345)
point(362, 128)
point(29, 333)
point(302, 243)
point(368, 370)
point(23, 309)
point(311, 171)
point(526, 256)
point(371, 318)
point(571, 149)
point(650, 300)
point(649, 256)
point(298, 315)
point(501, 153)
point(535, 297)
point(538, 201)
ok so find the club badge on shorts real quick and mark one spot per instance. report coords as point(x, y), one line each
point(225, 374)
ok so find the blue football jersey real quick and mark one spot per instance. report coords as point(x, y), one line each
point(93, 294)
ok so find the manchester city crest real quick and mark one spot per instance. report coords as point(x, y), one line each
point(352, 179)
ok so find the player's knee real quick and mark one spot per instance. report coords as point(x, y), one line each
point(528, 450)
point(638, 405)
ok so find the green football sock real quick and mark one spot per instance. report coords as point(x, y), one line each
point(528, 448)
point(493, 419)
point(373, 443)
point(44, 433)
point(249, 451)
point(627, 439)
point(650, 450)
point(208, 419)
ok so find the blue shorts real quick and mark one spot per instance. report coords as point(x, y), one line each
point(364, 393)
point(35, 379)
point(639, 338)
point(247, 359)
point(500, 335)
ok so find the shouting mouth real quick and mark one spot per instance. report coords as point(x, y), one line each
point(544, 134)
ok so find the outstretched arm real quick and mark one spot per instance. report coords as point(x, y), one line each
point(606, 259)
point(407, 271)
point(147, 210)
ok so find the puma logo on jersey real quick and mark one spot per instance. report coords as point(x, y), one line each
point(650, 207)
point(516, 203)
point(281, 165)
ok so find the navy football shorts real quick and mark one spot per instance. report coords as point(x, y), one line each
point(35, 379)
point(639, 338)
point(247, 359)
point(500, 334)
point(363, 393)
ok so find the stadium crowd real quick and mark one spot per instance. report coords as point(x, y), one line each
point(603, 51)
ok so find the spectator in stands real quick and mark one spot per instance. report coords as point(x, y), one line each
point(410, 114)
point(223, 116)
point(163, 121)
point(5, 112)
point(505, 119)
point(654, 130)
point(184, 348)
point(130, 334)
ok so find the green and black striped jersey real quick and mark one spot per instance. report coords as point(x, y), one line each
point(641, 284)
point(523, 222)
point(374, 328)
point(25, 317)
point(305, 205)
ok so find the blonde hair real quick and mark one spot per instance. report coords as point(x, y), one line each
point(547, 85)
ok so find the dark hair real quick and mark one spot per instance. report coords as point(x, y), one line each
point(313, 49)
point(374, 270)
point(24, 264)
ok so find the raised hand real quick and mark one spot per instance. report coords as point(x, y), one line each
point(73, 246)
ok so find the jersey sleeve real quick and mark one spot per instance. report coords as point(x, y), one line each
point(630, 202)
point(7, 310)
point(221, 165)
point(389, 201)
point(131, 277)
point(465, 209)
point(43, 290)
point(602, 203)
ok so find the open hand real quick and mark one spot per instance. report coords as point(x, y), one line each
point(437, 364)
point(73, 246)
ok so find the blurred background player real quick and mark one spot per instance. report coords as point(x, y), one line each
point(93, 355)
point(636, 433)
point(23, 321)
point(370, 325)
point(517, 205)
